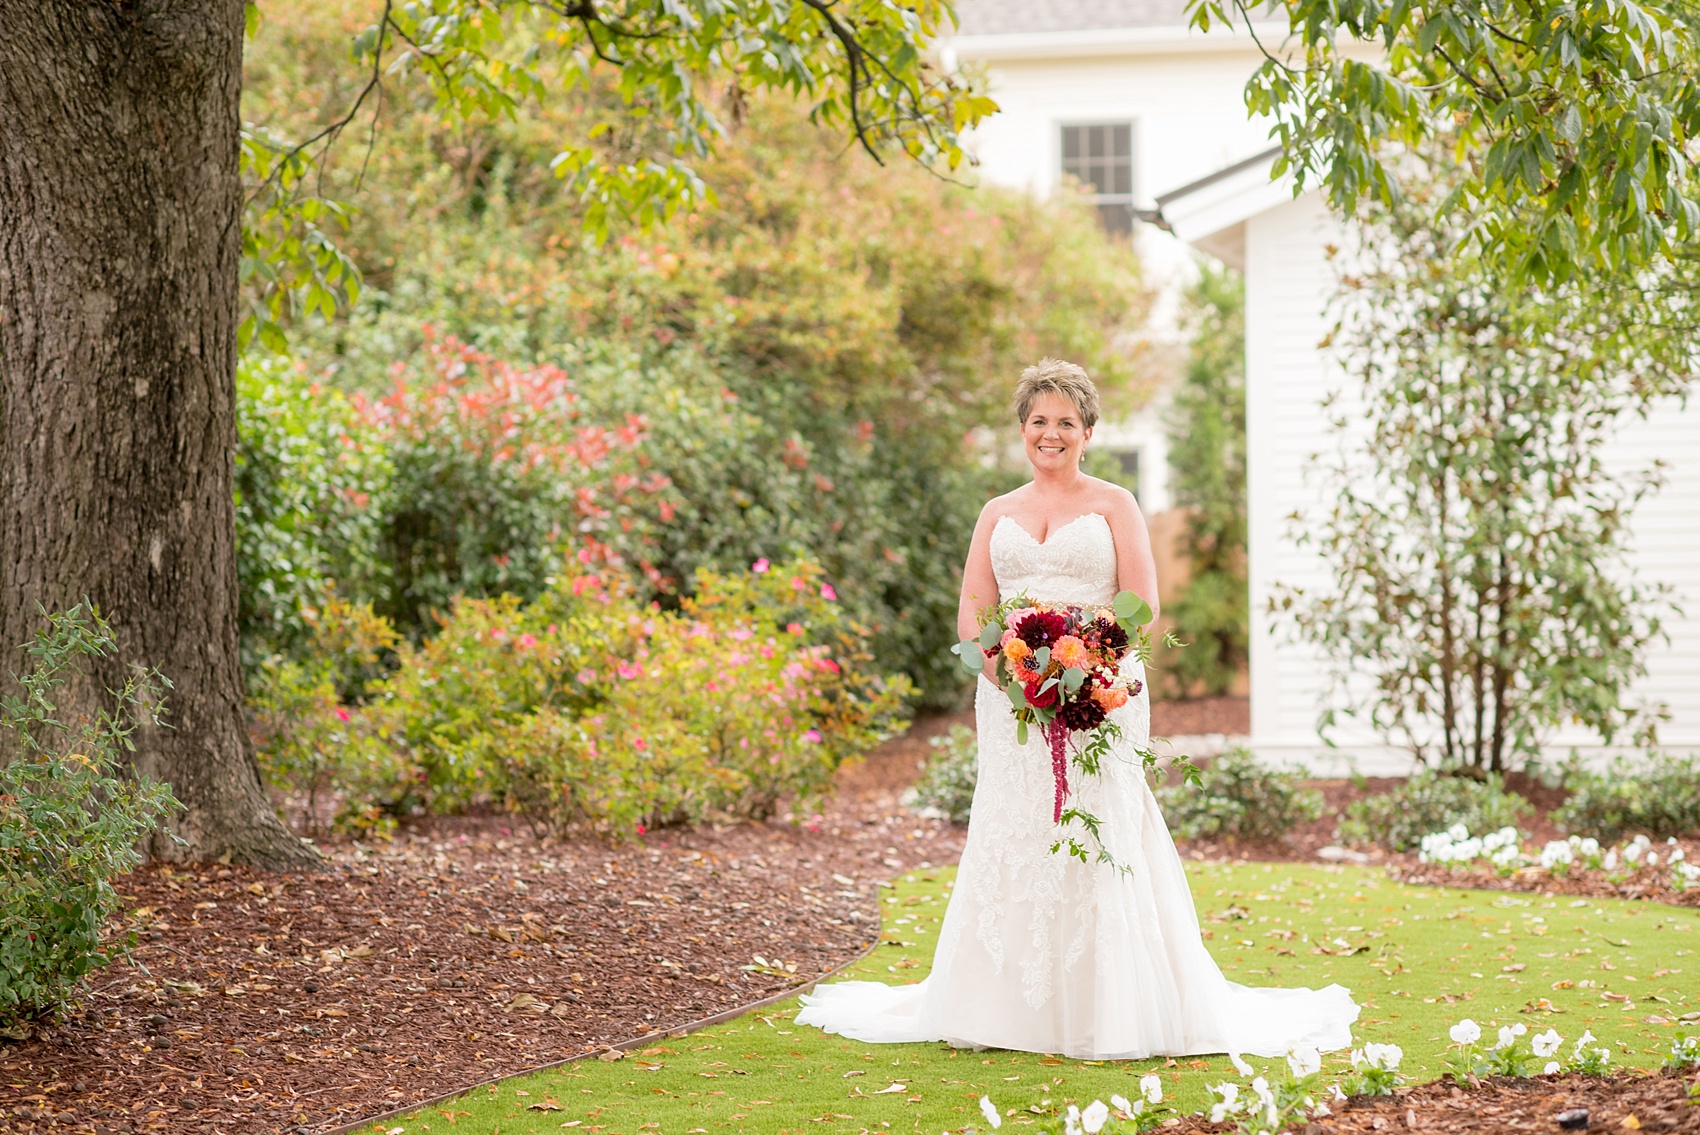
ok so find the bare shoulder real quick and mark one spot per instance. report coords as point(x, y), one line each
point(1118, 505)
point(1000, 506)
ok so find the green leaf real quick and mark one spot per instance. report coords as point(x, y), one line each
point(1072, 678)
point(969, 653)
point(1130, 608)
point(989, 636)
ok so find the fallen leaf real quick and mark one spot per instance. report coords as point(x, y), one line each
point(525, 1001)
point(854, 1072)
point(649, 1065)
point(1630, 1122)
point(572, 1123)
point(894, 1089)
point(611, 1055)
point(1518, 967)
point(546, 1105)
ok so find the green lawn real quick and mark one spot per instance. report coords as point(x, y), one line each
point(1416, 958)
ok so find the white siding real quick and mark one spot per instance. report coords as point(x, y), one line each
point(1288, 284)
point(1187, 107)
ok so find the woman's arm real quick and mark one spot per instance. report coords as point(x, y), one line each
point(979, 582)
point(1136, 567)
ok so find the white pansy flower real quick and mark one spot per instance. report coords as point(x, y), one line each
point(1321, 1110)
point(1545, 1044)
point(1465, 1032)
point(1458, 832)
point(1552, 1067)
point(1384, 1056)
point(990, 1111)
point(1557, 852)
point(1304, 1061)
point(1240, 1066)
point(1230, 1093)
point(1338, 1094)
point(1584, 1040)
point(1265, 1097)
point(1151, 1087)
point(1094, 1117)
point(1120, 1103)
point(1357, 1057)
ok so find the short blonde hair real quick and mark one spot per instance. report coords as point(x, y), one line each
point(1054, 376)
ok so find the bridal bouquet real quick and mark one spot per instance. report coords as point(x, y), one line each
point(1061, 667)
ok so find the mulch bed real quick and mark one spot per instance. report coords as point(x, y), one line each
point(1621, 1102)
point(1624, 1102)
point(461, 950)
point(1193, 717)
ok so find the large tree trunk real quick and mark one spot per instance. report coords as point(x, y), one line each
point(120, 235)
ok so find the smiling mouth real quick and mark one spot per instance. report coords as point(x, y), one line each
point(1052, 449)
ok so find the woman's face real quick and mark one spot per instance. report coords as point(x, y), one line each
point(1053, 434)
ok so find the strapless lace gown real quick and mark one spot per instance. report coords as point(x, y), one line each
point(1042, 953)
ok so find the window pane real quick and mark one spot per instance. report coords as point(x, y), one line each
point(1123, 140)
point(1122, 182)
point(1116, 218)
point(1070, 144)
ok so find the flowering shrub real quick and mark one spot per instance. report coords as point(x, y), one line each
point(1427, 803)
point(1516, 1051)
point(1504, 851)
point(69, 821)
point(946, 788)
point(588, 706)
point(499, 480)
point(1240, 798)
point(1684, 1053)
point(309, 742)
point(1660, 798)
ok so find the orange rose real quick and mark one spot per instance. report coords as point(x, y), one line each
point(1110, 697)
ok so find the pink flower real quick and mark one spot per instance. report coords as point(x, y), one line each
point(812, 737)
point(739, 634)
point(342, 713)
point(585, 677)
point(641, 829)
point(639, 744)
point(628, 671)
point(527, 642)
point(793, 628)
point(826, 591)
point(815, 822)
point(760, 566)
point(798, 583)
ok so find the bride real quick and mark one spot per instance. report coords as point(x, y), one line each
point(1038, 951)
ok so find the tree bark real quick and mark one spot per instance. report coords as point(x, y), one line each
point(120, 238)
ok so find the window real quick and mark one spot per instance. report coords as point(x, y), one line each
point(1100, 156)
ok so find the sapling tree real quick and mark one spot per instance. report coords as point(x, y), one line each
point(1482, 594)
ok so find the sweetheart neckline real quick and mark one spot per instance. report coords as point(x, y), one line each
point(1052, 535)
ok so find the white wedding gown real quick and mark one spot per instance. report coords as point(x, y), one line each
point(1042, 953)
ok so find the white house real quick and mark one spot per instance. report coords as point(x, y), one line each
point(1121, 94)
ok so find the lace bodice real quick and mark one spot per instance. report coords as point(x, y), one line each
point(1077, 564)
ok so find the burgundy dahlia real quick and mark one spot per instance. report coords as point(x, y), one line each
point(1082, 714)
point(1111, 635)
point(1042, 628)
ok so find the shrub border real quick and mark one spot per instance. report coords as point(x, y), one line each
point(619, 1046)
